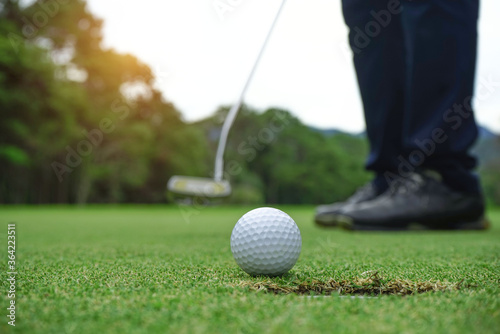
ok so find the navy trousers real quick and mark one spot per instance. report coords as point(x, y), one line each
point(415, 64)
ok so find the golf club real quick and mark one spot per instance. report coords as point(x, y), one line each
point(218, 187)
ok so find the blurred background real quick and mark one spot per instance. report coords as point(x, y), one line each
point(103, 101)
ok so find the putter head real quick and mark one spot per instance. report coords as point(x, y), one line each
point(198, 186)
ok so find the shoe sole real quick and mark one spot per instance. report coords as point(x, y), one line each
point(327, 220)
point(347, 223)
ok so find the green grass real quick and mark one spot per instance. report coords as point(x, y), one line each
point(165, 270)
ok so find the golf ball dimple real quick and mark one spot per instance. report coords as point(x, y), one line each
point(266, 241)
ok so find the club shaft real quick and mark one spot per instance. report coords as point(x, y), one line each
point(228, 122)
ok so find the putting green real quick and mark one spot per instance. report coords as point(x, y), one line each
point(158, 269)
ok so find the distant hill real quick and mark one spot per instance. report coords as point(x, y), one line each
point(487, 147)
point(485, 133)
point(333, 132)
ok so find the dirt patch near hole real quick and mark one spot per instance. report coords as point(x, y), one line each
point(373, 285)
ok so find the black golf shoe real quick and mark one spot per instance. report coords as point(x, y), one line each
point(327, 215)
point(419, 201)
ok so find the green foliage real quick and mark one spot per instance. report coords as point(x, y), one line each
point(289, 162)
point(489, 149)
point(490, 177)
point(137, 142)
point(14, 155)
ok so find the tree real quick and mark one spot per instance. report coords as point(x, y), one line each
point(272, 157)
point(73, 130)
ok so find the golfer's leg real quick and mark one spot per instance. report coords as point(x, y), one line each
point(376, 40)
point(439, 129)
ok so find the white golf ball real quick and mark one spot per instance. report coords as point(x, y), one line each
point(266, 241)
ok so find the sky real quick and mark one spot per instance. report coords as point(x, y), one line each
point(202, 52)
